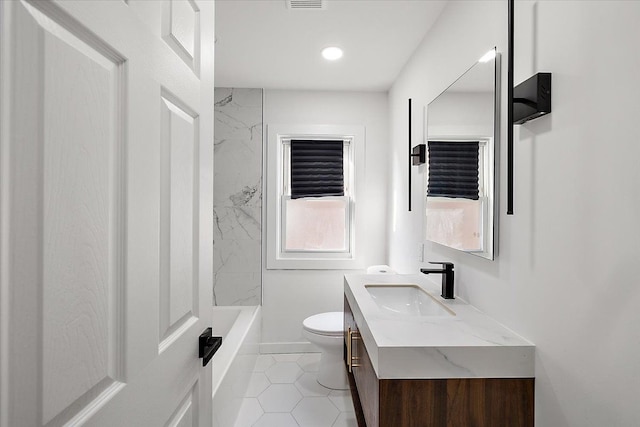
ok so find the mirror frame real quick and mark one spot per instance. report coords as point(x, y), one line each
point(490, 243)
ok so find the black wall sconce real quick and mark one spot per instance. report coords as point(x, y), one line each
point(532, 98)
point(419, 154)
point(527, 101)
point(410, 158)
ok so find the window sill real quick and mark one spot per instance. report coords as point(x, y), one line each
point(314, 264)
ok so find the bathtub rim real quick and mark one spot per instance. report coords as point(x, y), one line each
point(234, 340)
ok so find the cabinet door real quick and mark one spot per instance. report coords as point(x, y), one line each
point(349, 325)
point(366, 382)
point(363, 372)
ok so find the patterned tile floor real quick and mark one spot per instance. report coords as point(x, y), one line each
point(283, 392)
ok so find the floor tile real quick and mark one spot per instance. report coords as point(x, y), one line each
point(346, 419)
point(250, 412)
point(309, 386)
point(275, 419)
point(315, 412)
point(342, 400)
point(286, 357)
point(264, 362)
point(257, 384)
point(309, 362)
point(284, 372)
point(283, 392)
point(279, 398)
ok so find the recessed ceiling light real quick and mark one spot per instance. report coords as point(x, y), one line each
point(332, 53)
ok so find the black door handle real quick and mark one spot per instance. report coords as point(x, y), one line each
point(208, 345)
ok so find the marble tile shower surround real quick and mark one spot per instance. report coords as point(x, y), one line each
point(237, 205)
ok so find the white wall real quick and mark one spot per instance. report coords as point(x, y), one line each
point(566, 272)
point(289, 296)
point(461, 114)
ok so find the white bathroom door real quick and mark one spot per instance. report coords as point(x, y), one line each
point(106, 188)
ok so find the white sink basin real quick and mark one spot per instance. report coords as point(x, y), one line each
point(408, 300)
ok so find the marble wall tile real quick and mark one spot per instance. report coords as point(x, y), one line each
point(237, 289)
point(242, 222)
point(237, 256)
point(238, 147)
point(237, 210)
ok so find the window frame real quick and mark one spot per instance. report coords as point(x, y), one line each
point(277, 189)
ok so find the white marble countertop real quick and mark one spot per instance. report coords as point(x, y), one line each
point(467, 345)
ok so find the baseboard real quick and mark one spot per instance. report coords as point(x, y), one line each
point(287, 347)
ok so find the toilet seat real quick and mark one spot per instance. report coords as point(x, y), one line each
point(330, 324)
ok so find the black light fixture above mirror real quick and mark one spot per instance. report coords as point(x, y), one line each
point(532, 98)
point(527, 101)
point(419, 154)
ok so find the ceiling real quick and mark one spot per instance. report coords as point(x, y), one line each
point(264, 44)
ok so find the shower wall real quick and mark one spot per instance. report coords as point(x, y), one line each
point(237, 208)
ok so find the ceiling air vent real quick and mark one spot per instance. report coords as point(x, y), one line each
point(306, 4)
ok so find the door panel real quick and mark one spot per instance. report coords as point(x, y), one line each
point(181, 31)
point(179, 260)
point(81, 207)
point(106, 213)
point(69, 267)
point(187, 413)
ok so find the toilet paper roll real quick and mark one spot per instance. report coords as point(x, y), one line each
point(380, 269)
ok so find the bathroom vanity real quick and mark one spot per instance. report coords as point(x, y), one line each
point(415, 359)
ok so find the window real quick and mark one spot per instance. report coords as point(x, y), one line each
point(316, 196)
point(457, 203)
point(311, 198)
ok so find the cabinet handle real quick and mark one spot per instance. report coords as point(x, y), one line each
point(347, 339)
point(353, 335)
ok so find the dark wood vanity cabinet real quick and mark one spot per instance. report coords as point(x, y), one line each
point(455, 402)
point(362, 377)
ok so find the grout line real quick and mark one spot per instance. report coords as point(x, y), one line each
point(293, 383)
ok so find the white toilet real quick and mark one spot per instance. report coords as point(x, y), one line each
point(326, 331)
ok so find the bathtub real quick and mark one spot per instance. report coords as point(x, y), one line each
point(234, 362)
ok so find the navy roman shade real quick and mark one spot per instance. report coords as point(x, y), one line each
point(453, 169)
point(317, 168)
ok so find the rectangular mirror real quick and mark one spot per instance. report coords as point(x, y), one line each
point(461, 137)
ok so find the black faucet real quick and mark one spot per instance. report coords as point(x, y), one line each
point(447, 278)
